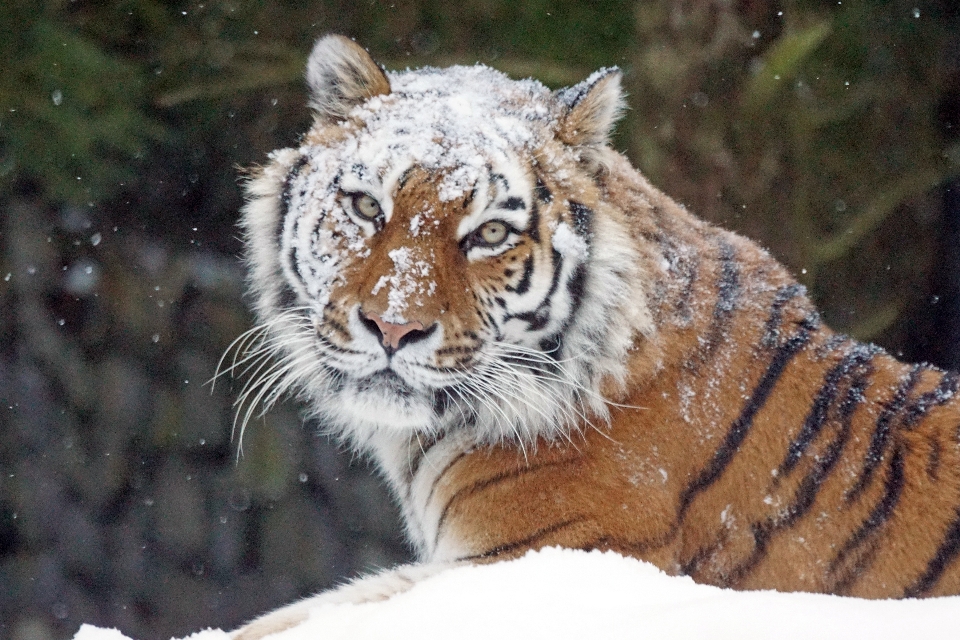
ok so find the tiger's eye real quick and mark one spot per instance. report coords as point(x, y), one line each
point(493, 233)
point(366, 206)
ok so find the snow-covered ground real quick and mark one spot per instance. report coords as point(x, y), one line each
point(561, 594)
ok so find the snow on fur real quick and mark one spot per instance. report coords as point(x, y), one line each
point(455, 121)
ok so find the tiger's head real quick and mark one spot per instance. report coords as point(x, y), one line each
point(437, 254)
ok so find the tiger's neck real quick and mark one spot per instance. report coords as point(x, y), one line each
point(412, 467)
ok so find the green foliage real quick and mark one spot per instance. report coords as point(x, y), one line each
point(72, 115)
point(781, 66)
point(808, 126)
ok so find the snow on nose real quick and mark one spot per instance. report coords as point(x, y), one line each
point(409, 282)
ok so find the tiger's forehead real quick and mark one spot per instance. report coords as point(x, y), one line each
point(455, 123)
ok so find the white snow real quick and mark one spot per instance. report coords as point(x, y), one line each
point(408, 278)
point(560, 594)
point(568, 244)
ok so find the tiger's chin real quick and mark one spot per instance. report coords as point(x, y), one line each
point(379, 402)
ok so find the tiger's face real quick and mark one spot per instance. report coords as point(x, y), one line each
point(421, 262)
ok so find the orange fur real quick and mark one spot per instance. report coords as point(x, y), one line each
point(714, 426)
point(640, 487)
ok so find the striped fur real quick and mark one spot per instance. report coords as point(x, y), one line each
point(616, 375)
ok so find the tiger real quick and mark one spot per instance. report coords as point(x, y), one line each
point(464, 281)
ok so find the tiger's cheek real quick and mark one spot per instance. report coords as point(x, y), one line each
point(471, 305)
point(462, 318)
point(498, 284)
point(345, 261)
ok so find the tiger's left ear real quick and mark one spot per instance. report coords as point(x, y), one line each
point(591, 108)
point(342, 75)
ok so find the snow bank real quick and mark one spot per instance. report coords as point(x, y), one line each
point(559, 593)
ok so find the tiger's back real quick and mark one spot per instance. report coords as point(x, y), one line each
point(539, 348)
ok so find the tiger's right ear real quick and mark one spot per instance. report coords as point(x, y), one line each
point(591, 108)
point(342, 75)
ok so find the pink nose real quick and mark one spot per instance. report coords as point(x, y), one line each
point(392, 333)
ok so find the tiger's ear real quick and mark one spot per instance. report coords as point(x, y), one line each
point(341, 75)
point(591, 108)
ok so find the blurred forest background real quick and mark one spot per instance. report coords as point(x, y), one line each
point(825, 130)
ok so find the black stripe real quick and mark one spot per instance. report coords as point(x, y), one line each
point(550, 346)
point(460, 349)
point(337, 326)
point(771, 330)
point(469, 197)
point(945, 391)
point(728, 291)
point(542, 192)
point(433, 488)
point(582, 218)
point(856, 357)
point(293, 259)
point(528, 541)
point(557, 264)
point(441, 402)
point(741, 426)
point(533, 224)
point(329, 345)
point(729, 284)
point(683, 266)
point(692, 566)
point(945, 555)
point(833, 343)
point(881, 512)
point(287, 297)
point(420, 450)
point(358, 168)
point(453, 369)
point(335, 376)
point(882, 432)
point(576, 286)
point(809, 488)
point(539, 317)
point(689, 269)
point(402, 181)
point(513, 203)
point(536, 319)
point(287, 195)
point(482, 485)
point(524, 285)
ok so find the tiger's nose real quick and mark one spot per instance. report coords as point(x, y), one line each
point(391, 334)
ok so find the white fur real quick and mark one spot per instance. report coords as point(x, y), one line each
point(369, 589)
point(341, 75)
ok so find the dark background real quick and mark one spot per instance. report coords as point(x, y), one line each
point(824, 130)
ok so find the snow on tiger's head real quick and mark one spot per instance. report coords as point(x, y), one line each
point(435, 255)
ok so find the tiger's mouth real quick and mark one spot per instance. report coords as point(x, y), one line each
point(383, 399)
point(387, 382)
